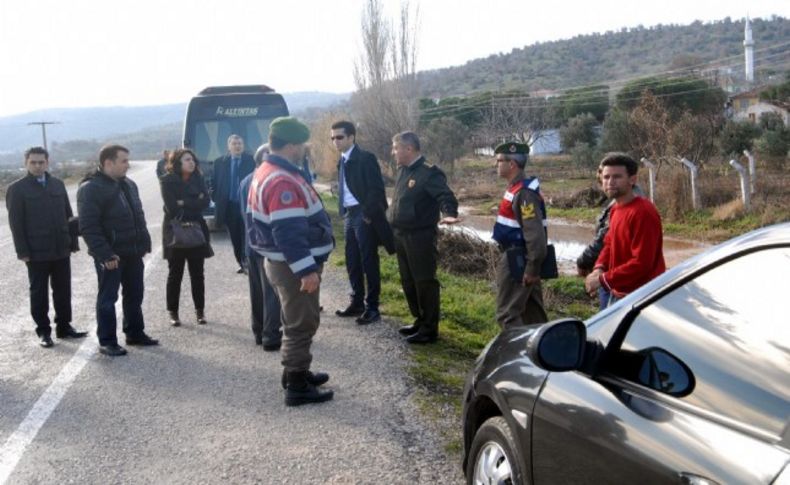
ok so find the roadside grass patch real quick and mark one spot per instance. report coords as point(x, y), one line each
point(467, 324)
point(585, 215)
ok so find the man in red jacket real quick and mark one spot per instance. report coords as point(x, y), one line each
point(632, 253)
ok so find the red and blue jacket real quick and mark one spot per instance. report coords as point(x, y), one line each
point(286, 220)
point(507, 229)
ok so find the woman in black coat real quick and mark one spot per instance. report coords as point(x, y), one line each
point(186, 197)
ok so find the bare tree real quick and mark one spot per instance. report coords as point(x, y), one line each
point(655, 134)
point(517, 117)
point(385, 76)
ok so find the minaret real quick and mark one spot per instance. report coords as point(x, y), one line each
point(748, 48)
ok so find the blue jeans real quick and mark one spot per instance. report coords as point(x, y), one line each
point(130, 275)
point(362, 259)
point(611, 300)
point(603, 297)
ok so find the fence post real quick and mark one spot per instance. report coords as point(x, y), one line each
point(744, 175)
point(651, 172)
point(752, 169)
point(695, 199)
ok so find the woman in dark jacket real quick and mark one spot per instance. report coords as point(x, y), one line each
point(186, 197)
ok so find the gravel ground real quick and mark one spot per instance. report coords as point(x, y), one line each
point(206, 406)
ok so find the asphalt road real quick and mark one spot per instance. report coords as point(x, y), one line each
point(206, 405)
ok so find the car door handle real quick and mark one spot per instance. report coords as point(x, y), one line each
point(687, 478)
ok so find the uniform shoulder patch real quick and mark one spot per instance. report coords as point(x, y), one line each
point(527, 210)
point(286, 197)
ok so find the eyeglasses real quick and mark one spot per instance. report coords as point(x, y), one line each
point(337, 137)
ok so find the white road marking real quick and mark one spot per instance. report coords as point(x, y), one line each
point(17, 443)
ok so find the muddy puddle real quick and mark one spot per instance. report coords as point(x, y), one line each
point(570, 239)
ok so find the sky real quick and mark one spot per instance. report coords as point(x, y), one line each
point(78, 53)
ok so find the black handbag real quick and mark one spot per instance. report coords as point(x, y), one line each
point(186, 234)
point(548, 270)
point(517, 263)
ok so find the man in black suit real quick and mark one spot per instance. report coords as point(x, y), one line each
point(363, 205)
point(229, 171)
point(39, 214)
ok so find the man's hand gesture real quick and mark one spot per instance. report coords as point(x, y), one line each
point(450, 220)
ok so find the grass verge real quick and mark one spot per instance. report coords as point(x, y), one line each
point(466, 325)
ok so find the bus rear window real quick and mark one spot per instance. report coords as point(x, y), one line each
point(210, 138)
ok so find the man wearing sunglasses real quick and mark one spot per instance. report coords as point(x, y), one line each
point(362, 204)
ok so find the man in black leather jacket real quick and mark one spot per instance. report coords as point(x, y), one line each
point(113, 226)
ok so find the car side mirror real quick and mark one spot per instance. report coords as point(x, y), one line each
point(558, 346)
point(665, 373)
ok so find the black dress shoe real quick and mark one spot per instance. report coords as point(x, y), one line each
point(174, 320)
point(407, 330)
point(142, 340)
point(69, 332)
point(421, 338)
point(46, 341)
point(271, 346)
point(350, 311)
point(241, 270)
point(370, 316)
point(113, 350)
point(258, 340)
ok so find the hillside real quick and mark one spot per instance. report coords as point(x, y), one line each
point(83, 123)
point(100, 123)
point(628, 53)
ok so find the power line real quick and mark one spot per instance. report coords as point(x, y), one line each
point(670, 74)
point(687, 70)
point(540, 103)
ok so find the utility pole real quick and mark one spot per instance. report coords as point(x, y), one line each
point(44, 129)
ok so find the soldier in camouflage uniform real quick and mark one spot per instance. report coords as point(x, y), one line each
point(520, 232)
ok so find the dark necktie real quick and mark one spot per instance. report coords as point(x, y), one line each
point(341, 186)
point(234, 179)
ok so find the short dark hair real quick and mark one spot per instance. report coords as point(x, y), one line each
point(408, 138)
point(110, 152)
point(36, 151)
point(519, 158)
point(276, 143)
point(347, 127)
point(173, 164)
point(620, 159)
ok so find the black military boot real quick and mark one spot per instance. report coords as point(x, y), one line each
point(316, 379)
point(299, 391)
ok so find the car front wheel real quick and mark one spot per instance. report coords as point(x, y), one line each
point(493, 456)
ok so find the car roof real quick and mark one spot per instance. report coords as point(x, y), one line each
point(770, 236)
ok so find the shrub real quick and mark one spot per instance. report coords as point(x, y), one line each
point(584, 156)
point(736, 137)
point(580, 129)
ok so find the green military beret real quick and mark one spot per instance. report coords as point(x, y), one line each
point(289, 129)
point(512, 148)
